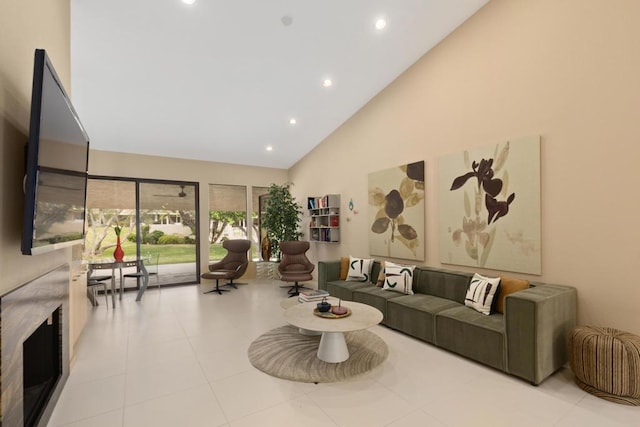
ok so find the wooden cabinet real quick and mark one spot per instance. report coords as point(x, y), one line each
point(324, 224)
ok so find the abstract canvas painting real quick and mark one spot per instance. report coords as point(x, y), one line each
point(396, 212)
point(489, 207)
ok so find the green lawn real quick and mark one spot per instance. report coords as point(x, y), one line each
point(169, 254)
point(173, 254)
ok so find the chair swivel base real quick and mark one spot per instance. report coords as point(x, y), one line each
point(217, 289)
point(233, 285)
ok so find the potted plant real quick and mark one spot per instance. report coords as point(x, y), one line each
point(282, 217)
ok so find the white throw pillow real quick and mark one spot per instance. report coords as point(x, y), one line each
point(398, 278)
point(481, 292)
point(359, 269)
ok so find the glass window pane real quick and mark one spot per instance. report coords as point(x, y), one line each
point(109, 203)
point(258, 232)
point(227, 216)
point(168, 227)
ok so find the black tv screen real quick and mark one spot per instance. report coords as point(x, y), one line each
point(56, 166)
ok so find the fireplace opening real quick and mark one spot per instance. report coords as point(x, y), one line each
point(42, 366)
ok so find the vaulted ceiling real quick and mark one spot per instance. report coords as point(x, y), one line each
point(226, 81)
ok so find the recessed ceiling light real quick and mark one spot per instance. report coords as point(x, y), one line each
point(269, 148)
point(381, 23)
point(189, 2)
point(292, 121)
point(327, 83)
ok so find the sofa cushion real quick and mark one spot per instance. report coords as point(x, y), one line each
point(481, 293)
point(415, 314)
point(344, 290)
point(344, 267)
point(474, 335)
point(380, 276)
point(441, 283)
point(398, 278)
point(375, 297)
point(359, 269)
point(509, 285)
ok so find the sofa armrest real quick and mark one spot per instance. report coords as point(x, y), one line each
point(537, 323)
point(328, 271)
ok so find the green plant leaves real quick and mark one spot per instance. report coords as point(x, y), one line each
point(282, 215)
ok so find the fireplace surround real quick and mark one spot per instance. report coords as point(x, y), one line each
point(34, 315)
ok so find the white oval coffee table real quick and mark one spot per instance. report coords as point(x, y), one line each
point(333, 347)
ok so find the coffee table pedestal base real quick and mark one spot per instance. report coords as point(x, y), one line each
point(333, 347)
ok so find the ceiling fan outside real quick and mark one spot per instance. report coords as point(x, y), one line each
point(180, 194)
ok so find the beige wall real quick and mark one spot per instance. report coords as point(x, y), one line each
point(108, 163)
point(566, 70)
point(24, 26)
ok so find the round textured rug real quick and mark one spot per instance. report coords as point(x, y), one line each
point(285, 353)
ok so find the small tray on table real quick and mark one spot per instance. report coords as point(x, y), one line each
point(330, 315)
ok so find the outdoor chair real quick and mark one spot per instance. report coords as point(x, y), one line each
point(94, 282)
point(93, 285)
point(151, 264)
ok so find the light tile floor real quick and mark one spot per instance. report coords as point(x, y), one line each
point(179, 358)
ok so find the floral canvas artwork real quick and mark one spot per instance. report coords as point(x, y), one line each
point(396, 212)
point(489, 207)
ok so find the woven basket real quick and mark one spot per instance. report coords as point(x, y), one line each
point(606, 363)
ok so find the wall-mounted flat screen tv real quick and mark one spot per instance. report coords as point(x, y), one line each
point(56, 166)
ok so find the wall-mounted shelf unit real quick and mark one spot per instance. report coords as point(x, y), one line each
point(324, 225)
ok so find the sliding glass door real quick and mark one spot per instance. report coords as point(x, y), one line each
point(158, 221)
point(169, 229)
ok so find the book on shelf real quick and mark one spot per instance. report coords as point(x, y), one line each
point(312, 295)
point(324, 202)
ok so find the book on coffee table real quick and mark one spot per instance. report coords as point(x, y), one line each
point(312, 295)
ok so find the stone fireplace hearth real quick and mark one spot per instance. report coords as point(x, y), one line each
point(40, 305)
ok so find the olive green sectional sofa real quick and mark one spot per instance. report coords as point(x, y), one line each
point(528, 341)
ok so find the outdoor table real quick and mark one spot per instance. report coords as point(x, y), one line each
point(105, 264)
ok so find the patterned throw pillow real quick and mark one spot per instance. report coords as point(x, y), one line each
point(481, 293)
point(398, 278)
point(359, 269)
